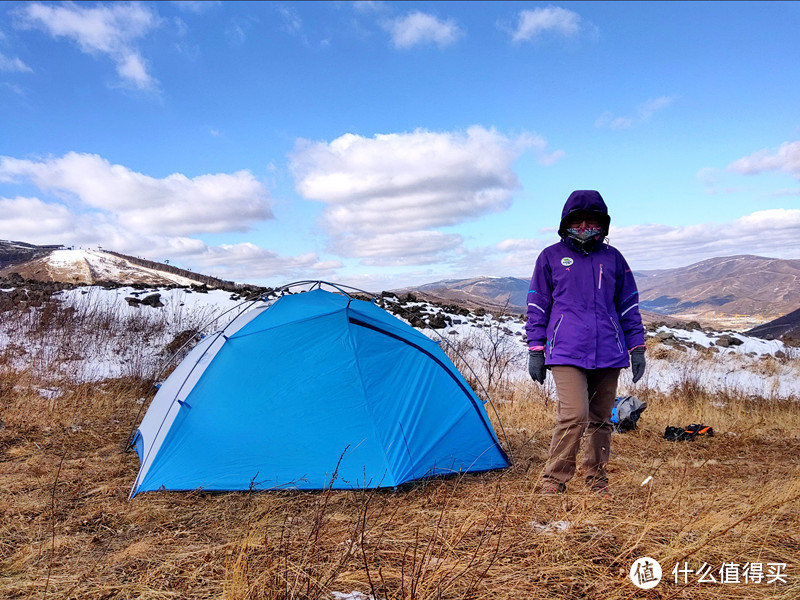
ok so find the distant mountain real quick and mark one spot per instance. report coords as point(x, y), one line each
point(507, 294)
point(83, 266)
point(736, 291)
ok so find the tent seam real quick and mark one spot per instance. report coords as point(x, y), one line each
point(389, 466)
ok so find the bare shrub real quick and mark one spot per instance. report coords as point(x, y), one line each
point(91, 338)
point(487, 356)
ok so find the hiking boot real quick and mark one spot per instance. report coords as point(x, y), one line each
point(599, 487)
point(551, 487)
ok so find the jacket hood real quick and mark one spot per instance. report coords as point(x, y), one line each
point(585, 201)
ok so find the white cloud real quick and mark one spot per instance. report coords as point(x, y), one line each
point(399, 249)
point(609, 120)
point(110, 30)
point(247, 262)
point(532, 23)
point(513, 257)
point(13, 88)
point(292, 23)
point(175, 204)
point(650, 107)
point(96, 203)
point(37, 222)
point(786, 158)
point(420, 28)
point(52, 222)
point(385, 194)
point(13, 65)
point(644, 112)
point(770, 233)
point(196, 6)
point(132, 68)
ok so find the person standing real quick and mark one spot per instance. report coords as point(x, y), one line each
point(584, 326)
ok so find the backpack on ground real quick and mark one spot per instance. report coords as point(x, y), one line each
point(626, 412)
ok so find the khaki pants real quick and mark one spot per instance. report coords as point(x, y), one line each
point(585, 400)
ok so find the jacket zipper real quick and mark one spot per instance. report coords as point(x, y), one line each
point(600, 279)
point(555, 332)
point(616, 329)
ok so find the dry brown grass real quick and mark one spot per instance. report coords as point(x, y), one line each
point(67, 529)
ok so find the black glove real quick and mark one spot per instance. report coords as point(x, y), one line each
point(536, 365)
point(637, 363)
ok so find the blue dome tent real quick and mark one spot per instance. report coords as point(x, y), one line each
point(315, 390)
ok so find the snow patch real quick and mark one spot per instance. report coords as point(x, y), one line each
point(96, 265)
point(138, 336)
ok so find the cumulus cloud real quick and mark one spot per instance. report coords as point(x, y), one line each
point(103, 29)
point(533, 23)
point(35, 221)
point(246, 261)
point(511, 257)
point(176, 204)
point(13, 65)
point(786, 158)
point(52, 223)
point(643, 113)
point(385, 194)
point(93, 202)
point(771, 232)
point(398, 249)
point(419, 28)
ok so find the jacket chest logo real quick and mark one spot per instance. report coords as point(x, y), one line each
point(567, 261)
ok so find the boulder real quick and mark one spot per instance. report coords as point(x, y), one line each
point(437, 321)
point(663, 336)
point(726, 341)
point(153, 300)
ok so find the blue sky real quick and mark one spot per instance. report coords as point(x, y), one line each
point(384, 144)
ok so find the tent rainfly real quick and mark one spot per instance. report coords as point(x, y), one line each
point(316, 390)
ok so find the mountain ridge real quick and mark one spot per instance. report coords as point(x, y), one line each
point(60, 264)
point(739, 292)
point(742, 292)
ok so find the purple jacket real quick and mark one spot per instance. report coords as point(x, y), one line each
point(583, 305)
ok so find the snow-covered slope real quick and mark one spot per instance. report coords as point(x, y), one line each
point(105, 334)
point(717, 361)
point(91, 266)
